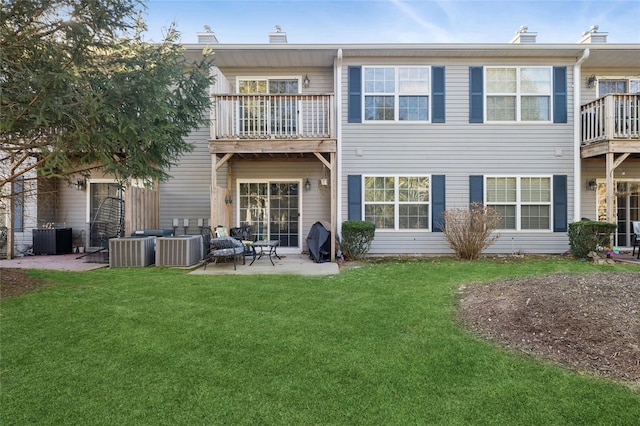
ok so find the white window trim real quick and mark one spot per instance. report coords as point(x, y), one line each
point(518, 96)
point(396, 203)
point(396, 95)
point(518, 203)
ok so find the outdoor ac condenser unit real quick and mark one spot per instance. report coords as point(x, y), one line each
point(131, 251)
point(183, 250)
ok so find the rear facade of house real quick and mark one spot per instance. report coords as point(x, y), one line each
point(545, 134)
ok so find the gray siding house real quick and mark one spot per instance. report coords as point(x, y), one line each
point(395, 134)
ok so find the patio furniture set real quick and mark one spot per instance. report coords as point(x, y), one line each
point(239, 243)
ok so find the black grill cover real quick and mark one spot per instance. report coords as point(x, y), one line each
point(319, 242)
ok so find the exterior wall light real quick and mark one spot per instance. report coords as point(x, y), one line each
point(591, 185)
point(591, 81)
point(306, 82)
point(307, 185)
point(81, 184)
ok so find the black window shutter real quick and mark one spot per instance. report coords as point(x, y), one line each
point(437, 95)
point(438, 201)
point(354, 196)
point(476, 189)
point(354, 104)
point(559, 203)
point(559, 94)
point(476, 106)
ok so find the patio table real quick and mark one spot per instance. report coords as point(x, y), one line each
point(271, 245)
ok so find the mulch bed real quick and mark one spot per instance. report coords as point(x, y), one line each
point(587, 322)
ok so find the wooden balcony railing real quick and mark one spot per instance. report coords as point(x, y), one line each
point(612, 117)
point(262, 116)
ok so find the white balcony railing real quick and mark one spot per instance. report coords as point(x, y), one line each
point(612, 117)
point(261, 116)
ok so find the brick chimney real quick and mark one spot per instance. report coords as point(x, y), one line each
point(523, 37)
point(208, 36)
point(278, 37)
point(592, 36)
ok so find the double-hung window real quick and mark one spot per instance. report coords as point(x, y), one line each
point(397, 202)
point(396, 93)
point(523, 203)
point(519, 93)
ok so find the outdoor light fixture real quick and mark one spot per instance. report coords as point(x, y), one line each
point(306, 82)
point(81, 184)
point(228, 200)
point(591, 185)
point(307, 185)
point(591, 81)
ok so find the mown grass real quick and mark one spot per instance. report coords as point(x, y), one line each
point(377, 344)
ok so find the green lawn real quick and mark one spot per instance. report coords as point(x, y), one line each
point(377, 344)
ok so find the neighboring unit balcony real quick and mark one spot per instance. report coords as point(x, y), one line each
point(611, 124)
point(272, 123)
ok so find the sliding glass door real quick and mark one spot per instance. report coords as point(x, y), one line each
point(272, 209)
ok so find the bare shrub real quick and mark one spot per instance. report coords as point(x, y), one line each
point(469, 231)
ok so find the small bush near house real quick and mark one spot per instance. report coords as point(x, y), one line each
point(586, 236)
point(357, 236)
point(469, 231)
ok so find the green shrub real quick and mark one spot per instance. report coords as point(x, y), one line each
point(586, 236)
point(357, 236)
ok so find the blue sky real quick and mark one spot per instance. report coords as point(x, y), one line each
point(394, 21)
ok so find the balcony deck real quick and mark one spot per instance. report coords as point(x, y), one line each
point(249, 125)
point(611, 124)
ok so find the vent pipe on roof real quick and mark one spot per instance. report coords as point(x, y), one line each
point(523, 37)
point(278, 37)
point(592, 36)
point(208, 36)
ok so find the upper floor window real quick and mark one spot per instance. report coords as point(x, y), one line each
point(524, 203)
point(396, 93)
point(518, 93)
point(273, 86)
point(397, 202)
point(615, 86)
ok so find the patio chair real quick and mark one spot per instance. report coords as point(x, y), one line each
point(245, 235)
point(635, 238)
point(224, 248)
point(205, 231)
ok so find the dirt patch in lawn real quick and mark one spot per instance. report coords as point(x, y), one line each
point(587, 322)
point(14, 282)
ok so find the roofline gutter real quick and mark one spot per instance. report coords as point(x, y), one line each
point(577, 161)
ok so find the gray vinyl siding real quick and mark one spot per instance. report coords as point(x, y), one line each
point(187, 193)
point(458, 149)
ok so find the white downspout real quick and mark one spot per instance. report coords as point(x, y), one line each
point(338, 120)
point(577, 125)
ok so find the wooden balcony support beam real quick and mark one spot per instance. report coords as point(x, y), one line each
point(271, 146)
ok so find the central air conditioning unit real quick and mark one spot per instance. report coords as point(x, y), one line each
point(127, 252)
point(183, 250)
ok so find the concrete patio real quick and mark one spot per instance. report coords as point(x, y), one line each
point(296, 264)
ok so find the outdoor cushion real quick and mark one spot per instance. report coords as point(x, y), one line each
point(225, 242)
